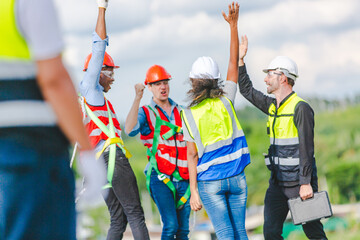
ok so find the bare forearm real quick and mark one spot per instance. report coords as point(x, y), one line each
point(192, 164)
point(58, 89)
point(100, 28)
point(132, 117)
point(232, 73)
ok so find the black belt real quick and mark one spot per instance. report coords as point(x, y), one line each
point(19, 90)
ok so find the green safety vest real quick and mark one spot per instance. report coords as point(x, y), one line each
point(283, 157)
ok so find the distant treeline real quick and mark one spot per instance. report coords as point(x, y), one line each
point(323, 104)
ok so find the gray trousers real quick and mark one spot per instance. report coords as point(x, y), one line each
point(123, 201)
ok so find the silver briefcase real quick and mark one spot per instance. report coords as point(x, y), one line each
point(311, 209)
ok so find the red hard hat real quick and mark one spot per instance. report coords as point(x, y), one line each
point(108, 61)
point(156, 73)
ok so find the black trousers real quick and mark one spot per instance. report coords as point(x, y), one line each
point(276, 210)
point(123, 201)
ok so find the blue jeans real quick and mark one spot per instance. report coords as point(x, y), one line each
point(175, 222)
point(36, 187)
point(225, 203)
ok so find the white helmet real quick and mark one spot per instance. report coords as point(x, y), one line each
point(284, 65)
point(205, 68)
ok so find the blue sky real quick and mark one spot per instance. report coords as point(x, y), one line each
point(322, 36)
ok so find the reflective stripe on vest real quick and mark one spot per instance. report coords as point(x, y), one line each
point(160, 134)
point(148, 139)
point(284, 141)
point(172, 160)
point(111, 139)
point(26, 113)
point(97, 132)
point(171, 153)
point(101, 112)
point(283, 155)
point(283, 161)
point(17, 70)
point(223, 144)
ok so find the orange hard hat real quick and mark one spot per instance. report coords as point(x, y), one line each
point(156, 73)
point(108, 61)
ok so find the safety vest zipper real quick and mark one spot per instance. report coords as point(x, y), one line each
point(273, 129)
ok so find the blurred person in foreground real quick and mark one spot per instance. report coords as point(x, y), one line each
point(122, 194)
point(216, 144)
point(290, 156)
point(39, 117)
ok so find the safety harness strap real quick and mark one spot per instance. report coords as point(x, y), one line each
point(105, 130)
point(152, 159)
point(111, 142)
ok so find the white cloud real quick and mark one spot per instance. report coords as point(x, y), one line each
point(321, 36)
point(294, 18)
point(165, 7)
point(79, 16)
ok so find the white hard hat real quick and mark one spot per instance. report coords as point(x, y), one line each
point(205, 68)
point(284, 65)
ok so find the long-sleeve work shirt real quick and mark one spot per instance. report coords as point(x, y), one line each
point(303, 119)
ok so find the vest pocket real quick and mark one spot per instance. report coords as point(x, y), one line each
point(288, 151)
point(286, 162)
point(288, 173)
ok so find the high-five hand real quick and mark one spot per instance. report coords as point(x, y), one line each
point(233, 16)
point(243, 47)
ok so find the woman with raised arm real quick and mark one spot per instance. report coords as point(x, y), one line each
point(216, 146)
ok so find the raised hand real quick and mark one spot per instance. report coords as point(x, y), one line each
point(233, 16)
point(139, 90)
point(243, 47)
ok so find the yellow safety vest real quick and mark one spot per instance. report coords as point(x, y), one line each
point(12, 44)
point(20, 97)
point(219, 139)
point(283, 157)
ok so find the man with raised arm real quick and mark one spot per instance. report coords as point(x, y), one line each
point(122, 198)
point(290, 156)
